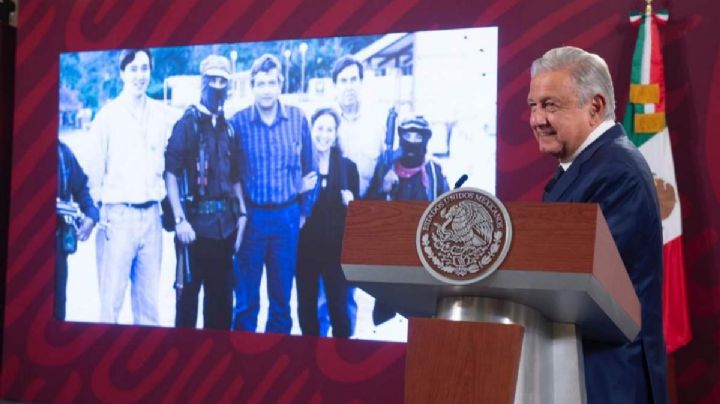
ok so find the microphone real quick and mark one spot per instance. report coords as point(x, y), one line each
point(461, 181)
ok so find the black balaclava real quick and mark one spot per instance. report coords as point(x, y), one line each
point(212, 98)
point(413, 153)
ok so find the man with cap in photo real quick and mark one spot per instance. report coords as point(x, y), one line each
point(208, 218)
point(411, 178)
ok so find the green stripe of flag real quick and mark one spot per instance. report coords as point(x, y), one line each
point(635, 78)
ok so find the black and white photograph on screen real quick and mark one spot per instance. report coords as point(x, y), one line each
point(206, 186)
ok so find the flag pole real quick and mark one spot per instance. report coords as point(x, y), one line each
point(648, 7)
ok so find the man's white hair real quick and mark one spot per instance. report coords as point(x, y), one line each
point(590, 72)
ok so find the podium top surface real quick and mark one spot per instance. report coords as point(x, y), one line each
point(562, 261)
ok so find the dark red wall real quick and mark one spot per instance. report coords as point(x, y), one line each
point(49, 361)
point(8, 38)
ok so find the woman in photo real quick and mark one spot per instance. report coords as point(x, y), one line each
point(321, 236)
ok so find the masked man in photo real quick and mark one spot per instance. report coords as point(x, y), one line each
point(208, 211)
point(411, 178)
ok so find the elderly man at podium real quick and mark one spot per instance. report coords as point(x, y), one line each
point(572, 116)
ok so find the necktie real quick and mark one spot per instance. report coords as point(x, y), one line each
point(558, 173)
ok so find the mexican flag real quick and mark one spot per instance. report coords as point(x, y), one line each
point(647, 128)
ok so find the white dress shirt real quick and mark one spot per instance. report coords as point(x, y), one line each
point(593, 136)
point(131, 152)
point(362, 139)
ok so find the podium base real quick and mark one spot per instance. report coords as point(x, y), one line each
point(549, 370)
point(461, 361)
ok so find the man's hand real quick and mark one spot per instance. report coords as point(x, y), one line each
point(85, 228)
point(184, 232)
point(347, 196)
point(242, 221)
point(309, 181)
point(302, 221)
point(390, 180)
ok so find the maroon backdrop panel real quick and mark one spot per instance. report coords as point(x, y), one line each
point(46, 360)
point(8, 39)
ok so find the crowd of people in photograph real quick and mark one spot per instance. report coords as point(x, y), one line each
point(262, 191)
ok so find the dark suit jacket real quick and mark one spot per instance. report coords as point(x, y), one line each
point(613, 173)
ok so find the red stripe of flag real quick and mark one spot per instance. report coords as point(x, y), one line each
point(675, 311)
point(657, 75)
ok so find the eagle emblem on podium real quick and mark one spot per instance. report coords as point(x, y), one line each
point(464, 236)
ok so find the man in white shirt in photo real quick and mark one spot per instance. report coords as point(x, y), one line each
point(361, 132)
point(132, 132)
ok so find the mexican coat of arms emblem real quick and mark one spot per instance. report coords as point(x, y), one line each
point(463, 236)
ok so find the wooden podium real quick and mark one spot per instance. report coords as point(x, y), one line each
point(514, 336)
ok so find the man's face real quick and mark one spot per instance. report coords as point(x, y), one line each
point(348, 85)
point(560, 126)
point(266, 88)
point(136, 75)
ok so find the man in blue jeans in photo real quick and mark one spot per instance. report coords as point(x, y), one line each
point(274, 152)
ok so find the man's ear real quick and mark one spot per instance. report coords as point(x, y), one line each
point(598, 104)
